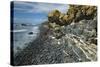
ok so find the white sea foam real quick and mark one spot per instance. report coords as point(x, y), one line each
point(23, 30)
point(35, 29)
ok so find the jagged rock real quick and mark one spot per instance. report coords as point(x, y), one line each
point(82, 12)
point(93, 40)
point(74, 13)
point(66, 19)
point(54, 16)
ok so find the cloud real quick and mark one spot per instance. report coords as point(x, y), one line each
point(22, 20)
point(30, 20)
point(35, 12)
point(33, 7)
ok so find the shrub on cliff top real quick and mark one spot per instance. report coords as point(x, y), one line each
point(75, 13)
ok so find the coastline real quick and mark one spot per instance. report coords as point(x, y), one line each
point(48, 50)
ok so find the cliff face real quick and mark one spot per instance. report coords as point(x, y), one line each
point(64, 38)
point(77, 29)
point(74, 14)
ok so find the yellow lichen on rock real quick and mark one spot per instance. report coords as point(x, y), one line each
point(54, 15)
point(75, 13)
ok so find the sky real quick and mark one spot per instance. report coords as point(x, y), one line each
point(35, 12)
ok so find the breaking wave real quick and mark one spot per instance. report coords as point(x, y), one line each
point(23, 30)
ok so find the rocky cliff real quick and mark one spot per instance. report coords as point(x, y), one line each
point(64, 38)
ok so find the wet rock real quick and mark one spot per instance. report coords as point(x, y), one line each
point(24, 24)
point(30, 33)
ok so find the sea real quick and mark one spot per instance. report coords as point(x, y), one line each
point(23, 33)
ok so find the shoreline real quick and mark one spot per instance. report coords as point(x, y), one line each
point(22, 38)
point(46, 50)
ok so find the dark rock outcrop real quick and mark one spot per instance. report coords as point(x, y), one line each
point(30, 33)
point(24, 24)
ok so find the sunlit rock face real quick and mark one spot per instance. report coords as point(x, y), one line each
point(74, 13)
point(75, 33)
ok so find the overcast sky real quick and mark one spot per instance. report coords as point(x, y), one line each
point(33, 12)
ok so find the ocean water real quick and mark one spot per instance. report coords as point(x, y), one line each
point(22, 36)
